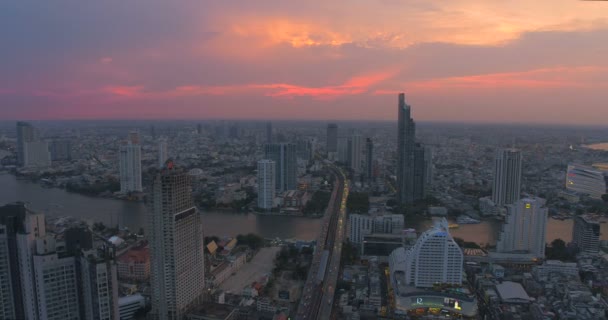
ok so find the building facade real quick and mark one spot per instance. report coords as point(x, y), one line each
point(130, 165)
point(163, 154)
point(266, 183)
point(284, 157)
point(586, 234)
point(25, 133)
point(524, 228)
point(410, 158)
point(587, 180)
point(176, 246)
point(36, 154)
point(332, 138)
point(506, 187)
point(435, 258)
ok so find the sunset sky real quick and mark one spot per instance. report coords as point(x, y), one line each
point(541, 61)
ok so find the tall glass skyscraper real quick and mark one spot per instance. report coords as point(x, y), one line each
point(411, 164)
point(284, 157)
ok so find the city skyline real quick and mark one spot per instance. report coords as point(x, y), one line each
point(458, 61)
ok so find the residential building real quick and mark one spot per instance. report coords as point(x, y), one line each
point(99, 284)
point(130, 165)
point(284, 157)
point(176, 245)
point(36, 154)
point(56, 283)
point(163, 154)
point(586, 234)
point(587, 180)
point(506, 188)
point(266, 183)
point(525, 228)
point(134, 265)
point(25, 133)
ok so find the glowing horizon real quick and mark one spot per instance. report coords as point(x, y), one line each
point(461, 61)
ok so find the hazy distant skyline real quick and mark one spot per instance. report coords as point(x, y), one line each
point(463, 60)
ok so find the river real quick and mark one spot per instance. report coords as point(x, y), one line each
point(58, 202)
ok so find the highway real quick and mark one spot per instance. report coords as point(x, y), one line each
point(318, 293)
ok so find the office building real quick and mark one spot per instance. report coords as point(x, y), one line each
point(128, 306)
point(43, 279)
point(61, 150)
point(524, 228)
point(284, 157)
point(36, 154)
point(25, 133)
point(130, 165)
point(163, 154)
point(55, 282)
point(369, 159)
point(435, 258)
point(343, 150)
point(269, 132)
point(361, 225)
point(356, 152)
point(266, 184)
point(406, 155)
point(428, 167)
point(98, 274)
point(332, 138)
point(134, 265)
point(506, 188)
point(587, 180)
point(419, 174)
point(586, 234)
point(176, 245)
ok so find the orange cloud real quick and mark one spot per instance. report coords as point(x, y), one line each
point(534, 79)
point(353, 86)
point(125, 91)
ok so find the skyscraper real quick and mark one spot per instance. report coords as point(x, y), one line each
point(419, 184)
point(406, 144)
point(332, 138)
point(435, 258)
point(369, 159)
point(56, 282)
point(586, 234)
point(176, 245)
point(343, 150)
point(356, 151)
point(525, 227)
point(25, 133)
point(130, 165)
point(36, 154)
point(428, 167)
point(266, 183)
point(39, 281)
point(162, 152)
point(507, 177)
point(284, 157)
point(269, 132)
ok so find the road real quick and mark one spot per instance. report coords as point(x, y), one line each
point(318, 294)
point(260, 265)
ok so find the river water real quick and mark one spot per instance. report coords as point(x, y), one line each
point(58, 202)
